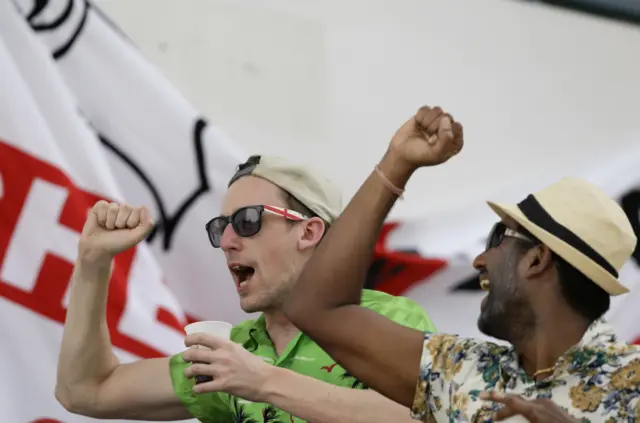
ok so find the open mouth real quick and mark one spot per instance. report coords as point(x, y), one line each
point(484, 284)
point(242, 274)
point(483, 276)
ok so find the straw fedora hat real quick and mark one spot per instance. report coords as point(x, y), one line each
point(581, 224)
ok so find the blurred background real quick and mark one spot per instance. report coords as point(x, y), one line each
point(329, 82)
point(155, 102)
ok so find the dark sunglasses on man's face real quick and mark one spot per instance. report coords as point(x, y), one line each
point(499, 232)
point(246, 221)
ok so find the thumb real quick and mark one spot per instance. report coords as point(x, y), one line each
point(145, 226)
point(445, 129)
point(515, 408)
point(91, 223)
point(216, 385)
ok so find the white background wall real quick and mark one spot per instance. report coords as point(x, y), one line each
point(327, 83)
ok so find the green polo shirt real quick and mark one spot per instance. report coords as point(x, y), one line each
point(302, 355)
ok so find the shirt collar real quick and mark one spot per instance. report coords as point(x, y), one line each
point(598, 336)
point(598, 333)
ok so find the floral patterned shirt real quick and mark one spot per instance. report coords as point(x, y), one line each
point(597, 380)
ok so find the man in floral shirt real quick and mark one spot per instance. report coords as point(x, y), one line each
point(550, 267)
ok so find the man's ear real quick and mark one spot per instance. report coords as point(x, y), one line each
point(311, 232)
point(537, 260)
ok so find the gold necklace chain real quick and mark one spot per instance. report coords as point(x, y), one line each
point(541, 371)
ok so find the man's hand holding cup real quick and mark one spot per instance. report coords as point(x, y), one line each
point(220, 365)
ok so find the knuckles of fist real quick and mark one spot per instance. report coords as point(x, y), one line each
point(429, 138)
point(117, 216)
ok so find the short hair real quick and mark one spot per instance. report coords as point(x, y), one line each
point(292, 203)
point(581, 293)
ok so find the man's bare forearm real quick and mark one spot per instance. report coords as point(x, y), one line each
point(320, 402)
point(86, 355)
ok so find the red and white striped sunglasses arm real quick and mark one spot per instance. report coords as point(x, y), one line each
point(286, 213)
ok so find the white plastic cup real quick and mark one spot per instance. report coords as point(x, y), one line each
point(212, 328)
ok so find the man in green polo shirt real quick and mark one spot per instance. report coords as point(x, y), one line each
point(273, 217)
point(240, 367)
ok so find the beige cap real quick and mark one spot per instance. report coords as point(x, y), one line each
point(309, 187)
point(581, 224)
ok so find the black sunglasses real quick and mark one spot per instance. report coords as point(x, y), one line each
point(246, 221)
point(499, 232)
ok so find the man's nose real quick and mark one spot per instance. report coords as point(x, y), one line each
point(479, 262)
point(230, 240)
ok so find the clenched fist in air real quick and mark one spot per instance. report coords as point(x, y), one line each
point(428, 138)
point(112, 228)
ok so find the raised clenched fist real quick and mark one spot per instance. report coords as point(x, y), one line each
point(428, 138)
point(112, 228)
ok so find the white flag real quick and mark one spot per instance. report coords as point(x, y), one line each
point(83, 116)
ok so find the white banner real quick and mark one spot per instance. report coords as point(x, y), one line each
point(82, 117)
